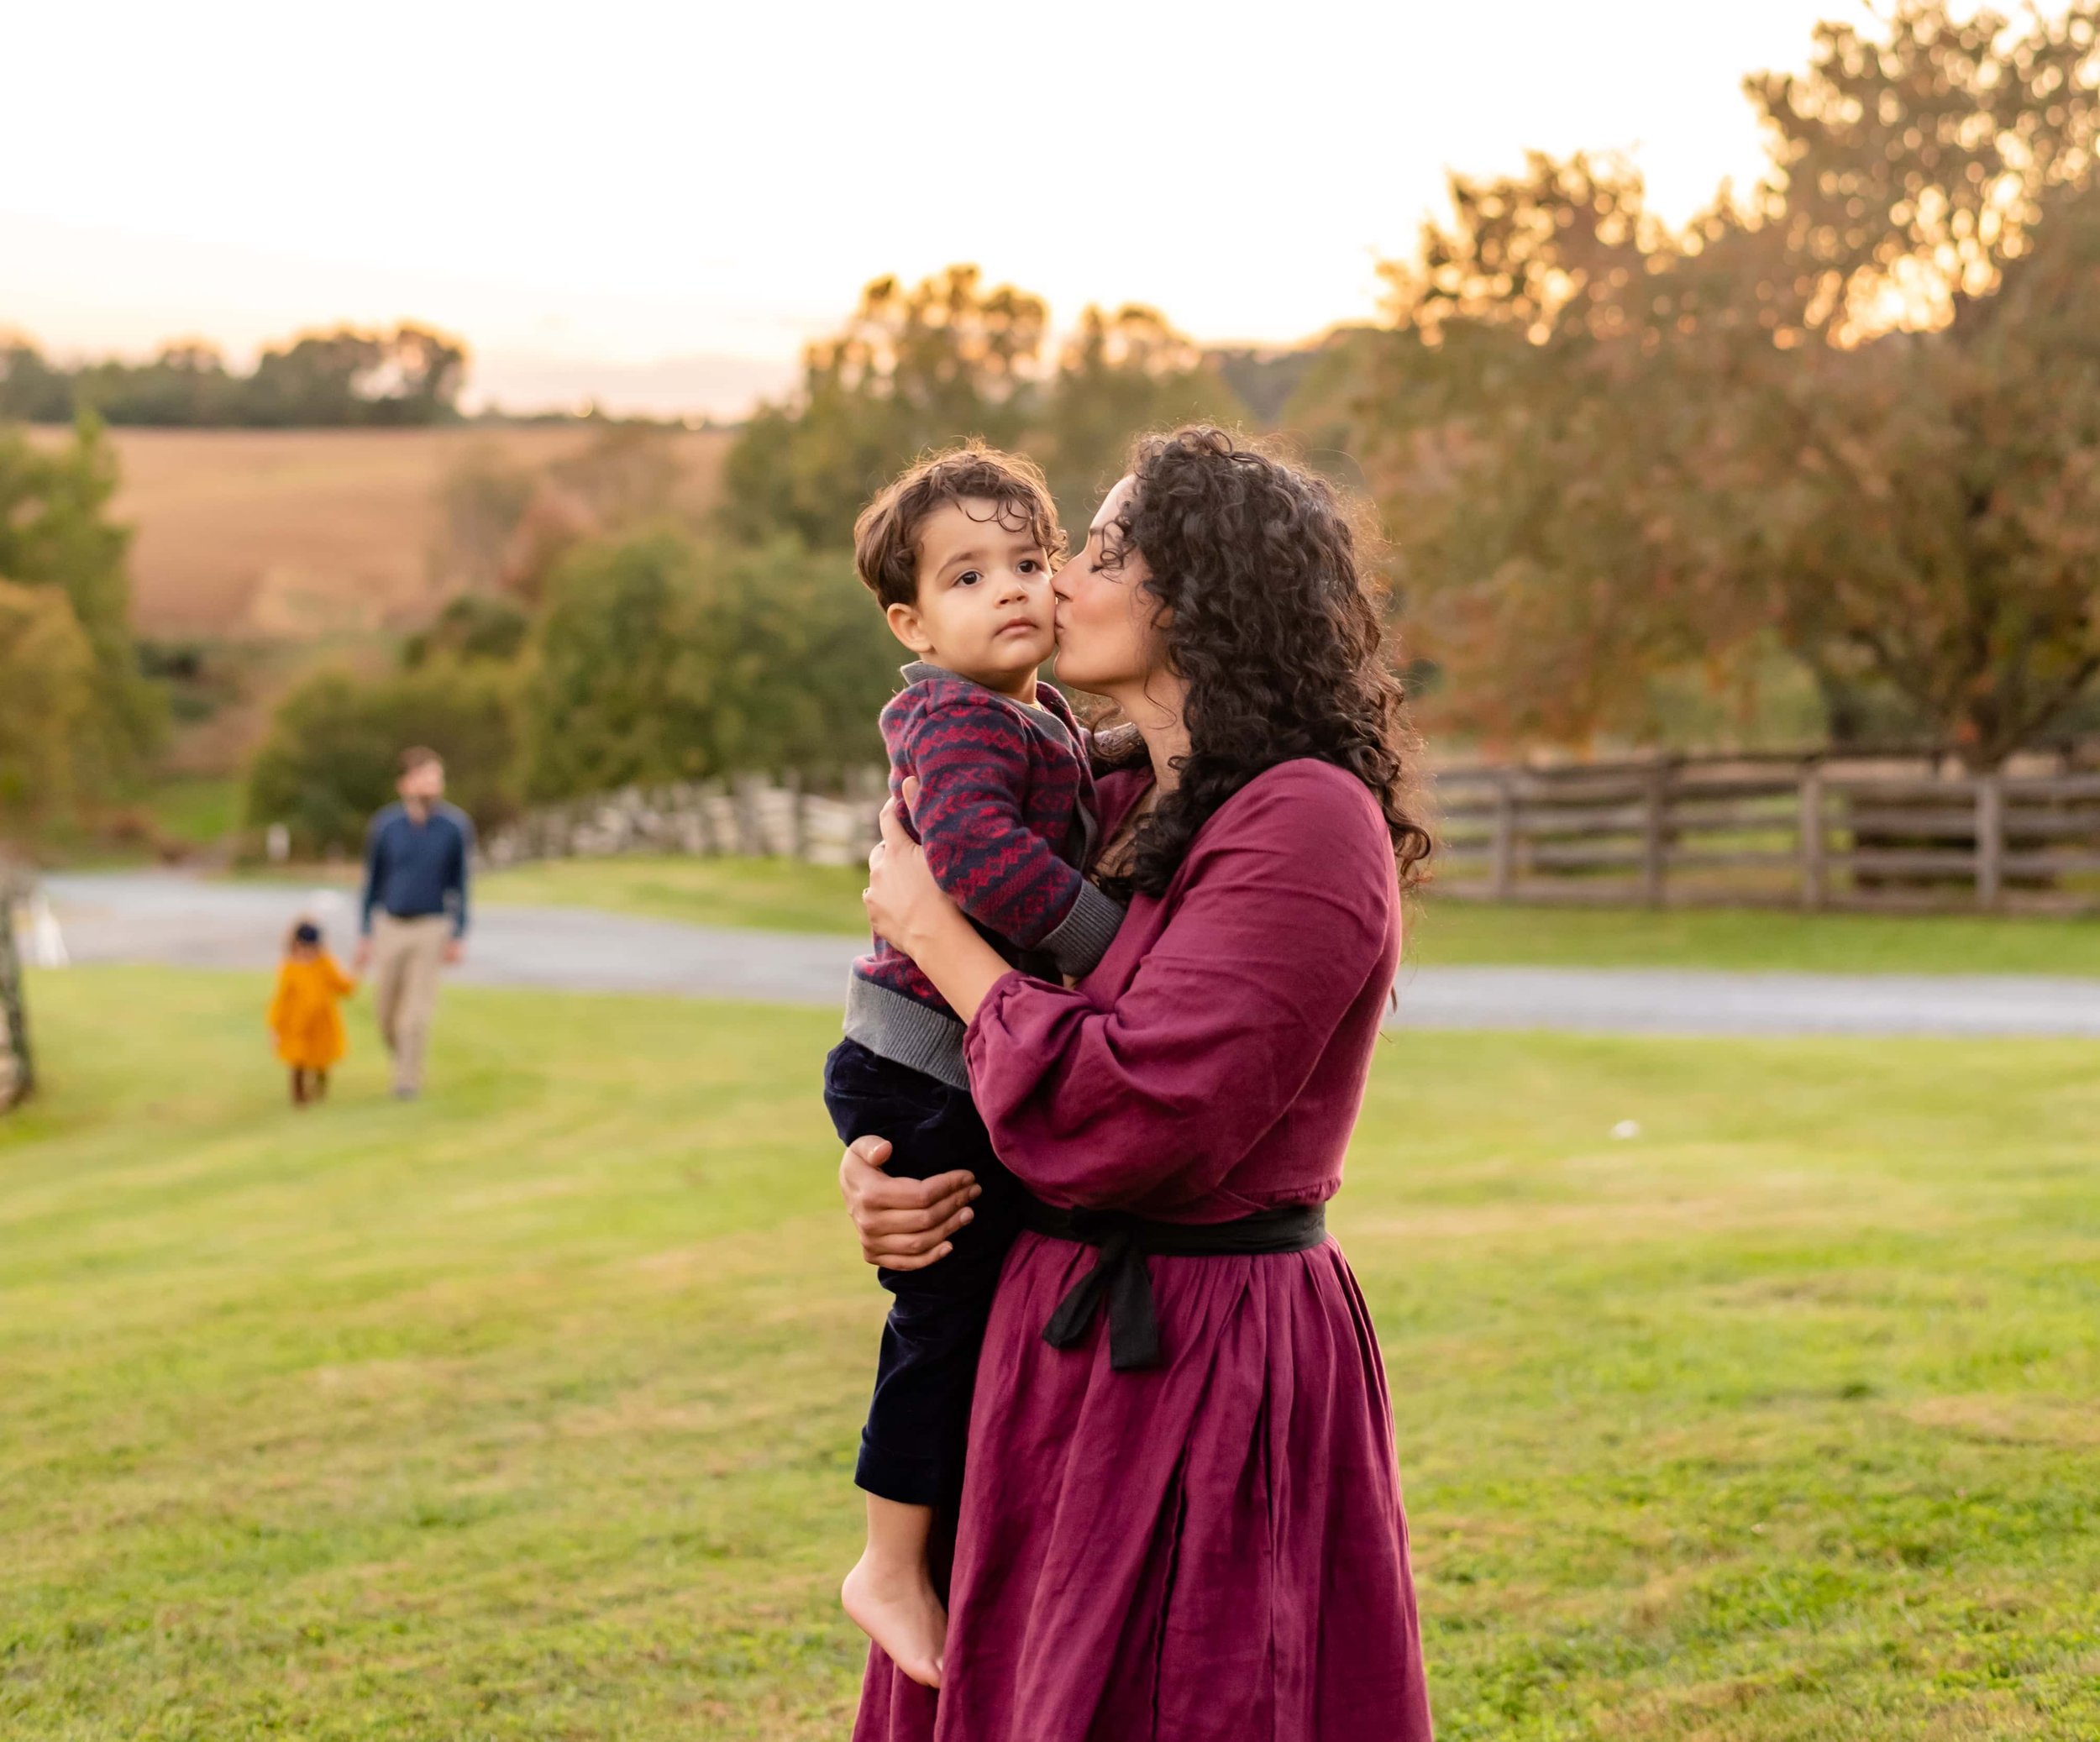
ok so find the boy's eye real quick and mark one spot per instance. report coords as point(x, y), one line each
point(968, 577)
point(1029, 565)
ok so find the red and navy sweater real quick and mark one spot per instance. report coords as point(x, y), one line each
point(1005, 814)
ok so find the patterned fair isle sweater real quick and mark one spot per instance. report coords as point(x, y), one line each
point(1005, 814)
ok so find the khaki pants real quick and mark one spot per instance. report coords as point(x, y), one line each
point(407, 957)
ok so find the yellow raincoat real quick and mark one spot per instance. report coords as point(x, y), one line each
point(303, 1014)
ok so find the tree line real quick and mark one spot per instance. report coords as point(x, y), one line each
point(1843, 425)
point(1846, 422)
point(605, 634)
point(1840, 429)
point(411, 376)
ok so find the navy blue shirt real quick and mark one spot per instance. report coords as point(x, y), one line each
point(412, 870)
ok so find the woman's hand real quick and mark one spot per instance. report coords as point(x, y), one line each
point(903, 1224)
point(905, 906)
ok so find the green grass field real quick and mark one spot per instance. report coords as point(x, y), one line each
point(197, 811)
point(527, 1411)
point(782, 895)
point(769, 894)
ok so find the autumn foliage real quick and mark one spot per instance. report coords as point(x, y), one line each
point(1853, 412)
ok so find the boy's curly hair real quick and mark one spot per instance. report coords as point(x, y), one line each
point(886, 535)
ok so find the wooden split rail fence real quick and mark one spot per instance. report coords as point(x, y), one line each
point(1821, 834)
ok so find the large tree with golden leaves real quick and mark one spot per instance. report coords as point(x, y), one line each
point(1857, 410)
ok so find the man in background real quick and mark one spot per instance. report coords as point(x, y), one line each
point(413, 917)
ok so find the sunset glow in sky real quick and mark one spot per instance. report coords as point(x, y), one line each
point(659, 203)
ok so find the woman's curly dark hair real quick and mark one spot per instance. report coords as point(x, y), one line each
point(1278, 632)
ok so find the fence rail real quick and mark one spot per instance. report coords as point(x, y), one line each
point(1821, 834)
point(1817, 833)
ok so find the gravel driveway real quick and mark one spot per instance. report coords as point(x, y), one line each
point(170, 917)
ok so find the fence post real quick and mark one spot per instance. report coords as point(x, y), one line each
point(1502, 874)
point(1990, 840)
point(1814, 861)
point(1654, 833)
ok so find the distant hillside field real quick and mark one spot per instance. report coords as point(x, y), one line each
point(293, 535)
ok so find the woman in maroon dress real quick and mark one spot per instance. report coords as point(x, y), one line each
point(1182, 1516)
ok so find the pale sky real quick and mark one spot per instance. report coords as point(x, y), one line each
point(659, 203)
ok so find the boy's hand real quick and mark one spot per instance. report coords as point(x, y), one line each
point(903, 1223)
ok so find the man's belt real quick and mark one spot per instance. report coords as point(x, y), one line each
point(1120, 1278)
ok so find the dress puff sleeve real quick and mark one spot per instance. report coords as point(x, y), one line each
point(1286, 899)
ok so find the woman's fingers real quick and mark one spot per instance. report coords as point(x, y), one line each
point(913, 1251)
point(894, 832)
point(873, 1151)
point(917, 1194)
point(903, 1223)
point(899, 1260)
point(860, 1168)
point(908, 1223)
point(910, 793)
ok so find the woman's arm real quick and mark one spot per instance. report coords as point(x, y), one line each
point(905, 1224)
point(912, 913)
point(970, 753)
point(1283, 916)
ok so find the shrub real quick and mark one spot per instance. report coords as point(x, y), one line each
point(659, 658)
point(329, 760)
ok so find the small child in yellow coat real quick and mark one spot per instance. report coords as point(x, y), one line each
point(303, 1014)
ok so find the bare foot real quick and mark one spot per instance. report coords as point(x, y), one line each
point(895, 1607)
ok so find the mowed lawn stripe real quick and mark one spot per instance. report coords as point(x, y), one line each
point(528, 1410)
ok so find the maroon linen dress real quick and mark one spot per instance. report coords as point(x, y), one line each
point(1213, 1548)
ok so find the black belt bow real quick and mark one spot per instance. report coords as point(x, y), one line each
point(1120, 1278)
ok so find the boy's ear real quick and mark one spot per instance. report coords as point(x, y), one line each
point(906, 624)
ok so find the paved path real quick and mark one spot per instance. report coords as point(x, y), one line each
point(170, 917)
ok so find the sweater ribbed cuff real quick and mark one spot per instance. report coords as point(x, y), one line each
point(1082, 937)
point(906, 1033)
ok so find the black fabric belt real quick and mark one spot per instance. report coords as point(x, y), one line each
point(1120, 1280)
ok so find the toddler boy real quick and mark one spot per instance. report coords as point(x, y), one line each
point(959, 552)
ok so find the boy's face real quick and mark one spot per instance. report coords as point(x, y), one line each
point(984, 608)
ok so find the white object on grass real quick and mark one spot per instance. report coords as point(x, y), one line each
point(1626, 1128)
point(47, 943)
